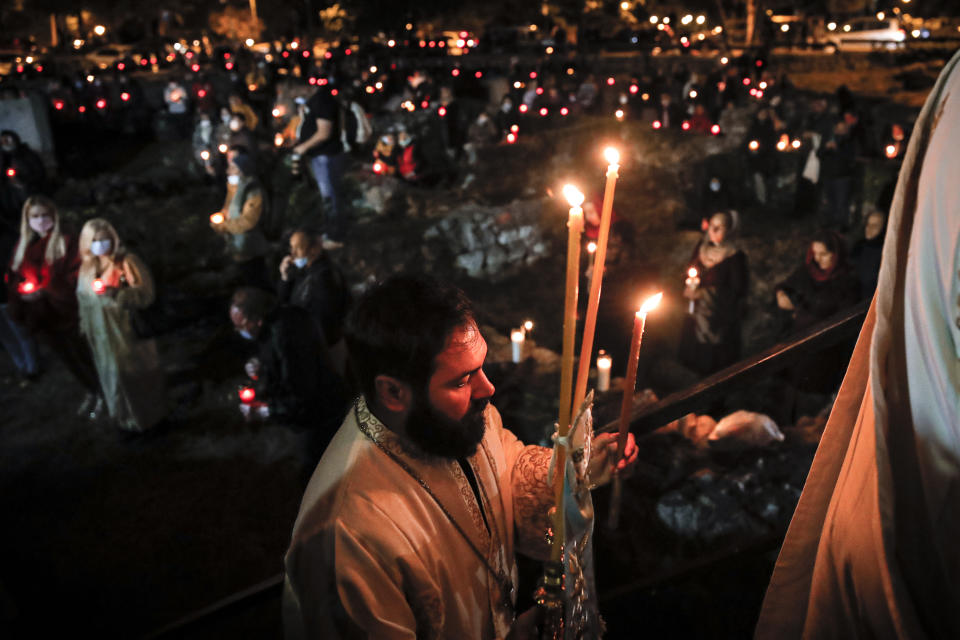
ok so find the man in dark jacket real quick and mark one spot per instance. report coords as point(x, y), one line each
point(311, 281)
point(292, 376)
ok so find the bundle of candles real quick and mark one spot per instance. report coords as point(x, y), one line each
point(572, 395)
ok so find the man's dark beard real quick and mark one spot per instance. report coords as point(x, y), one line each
point(438, 435)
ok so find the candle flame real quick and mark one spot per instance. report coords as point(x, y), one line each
point(611, 155)
point(591, 247)
point(98, 286)
point(573, 195)
point(604, 361)
point(216, 218)
point(528, 325)
point(517, 335)
point(650, 304)
point(692, 272)
point(247, 395)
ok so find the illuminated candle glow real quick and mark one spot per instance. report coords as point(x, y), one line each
point(575, 228)
point(626, 407)
point(517, 338)
point(217, 218)
point(247, 395)
point(604, 362)
point(27, 287)
point(692, 282)
point(98, 286)
point(612, 157)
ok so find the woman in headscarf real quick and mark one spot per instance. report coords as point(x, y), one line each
point(710, 338)
point(867, 251)
point(41, 283)
point(822, 286)
point(112, 285)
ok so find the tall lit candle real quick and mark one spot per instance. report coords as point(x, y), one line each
point(575, 228)
point(604, 362)
point(517, 337)
point(626, 407)
point(612, 157)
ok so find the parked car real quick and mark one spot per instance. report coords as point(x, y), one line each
point(105, 57)
point(865, 34)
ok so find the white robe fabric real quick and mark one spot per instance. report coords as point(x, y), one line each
point(873, 550)
point(373, 556)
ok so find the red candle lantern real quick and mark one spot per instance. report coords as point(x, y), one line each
point(98, 286)
point(247, 395)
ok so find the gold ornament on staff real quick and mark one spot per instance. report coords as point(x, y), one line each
point(626, 407)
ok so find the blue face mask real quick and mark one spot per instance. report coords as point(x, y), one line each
point(246, 335)
point(300, 263)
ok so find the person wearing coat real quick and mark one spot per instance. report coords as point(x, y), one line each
point(710, 337)
point(239, 222)
point(112, 285)
point(41, 283)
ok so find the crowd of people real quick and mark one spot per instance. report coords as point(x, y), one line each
point(836, 272)
point(251, 119)
point(420, 455)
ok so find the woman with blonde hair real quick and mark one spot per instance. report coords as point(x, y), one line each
point(112, 285)
point(41, 280)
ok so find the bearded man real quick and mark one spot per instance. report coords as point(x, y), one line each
point(410, 522)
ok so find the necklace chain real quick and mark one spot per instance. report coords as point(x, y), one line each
point(503, 582)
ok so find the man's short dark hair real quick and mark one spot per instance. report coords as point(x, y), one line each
point(400, 326)
point(252, 302)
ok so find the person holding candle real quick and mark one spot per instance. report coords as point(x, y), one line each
point(239, 222)
point(409, 525)
point(710, 336)
point(41, 284)
point(292, 373)
point(112, 284)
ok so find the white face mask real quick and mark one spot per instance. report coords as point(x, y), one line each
point(101, 247)
point(300, 263)
point(41, 225)
point(233, 179)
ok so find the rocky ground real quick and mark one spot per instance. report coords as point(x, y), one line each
point(119, 537)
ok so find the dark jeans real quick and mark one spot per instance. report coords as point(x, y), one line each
point(328, 172)
point(836, 195)
point(19, 344)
